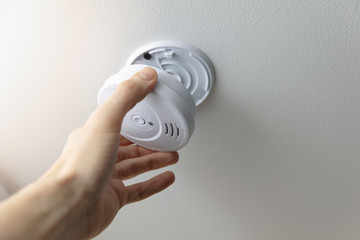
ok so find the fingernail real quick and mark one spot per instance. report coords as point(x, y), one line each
point(147, 74)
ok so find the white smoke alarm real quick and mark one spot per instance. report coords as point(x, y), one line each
point(164, 120)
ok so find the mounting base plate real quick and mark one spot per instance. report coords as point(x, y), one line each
point(187, 64)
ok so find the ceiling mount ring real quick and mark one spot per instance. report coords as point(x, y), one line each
point(188, 64)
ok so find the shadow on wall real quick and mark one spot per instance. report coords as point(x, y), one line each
point(7, 185)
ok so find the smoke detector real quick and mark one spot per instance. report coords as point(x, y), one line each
point(164, 119)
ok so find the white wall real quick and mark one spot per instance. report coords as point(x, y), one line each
point(276, 150)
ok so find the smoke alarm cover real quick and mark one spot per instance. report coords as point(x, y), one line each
point(164, 120)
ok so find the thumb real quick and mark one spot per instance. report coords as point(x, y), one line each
point(110, 114)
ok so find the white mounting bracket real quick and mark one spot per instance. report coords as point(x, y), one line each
point(187, 64)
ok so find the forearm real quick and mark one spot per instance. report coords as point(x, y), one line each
point(39, 211)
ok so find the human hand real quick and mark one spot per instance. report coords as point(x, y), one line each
point(96, 160)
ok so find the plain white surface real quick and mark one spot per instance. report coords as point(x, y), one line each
point(275, 154)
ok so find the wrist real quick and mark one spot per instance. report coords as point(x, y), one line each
point(62, 204)
point(44, 209)
point(62, 190)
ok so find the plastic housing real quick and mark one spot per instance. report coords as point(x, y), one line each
point(164, 120)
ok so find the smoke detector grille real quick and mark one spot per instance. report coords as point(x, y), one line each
point(172, 130)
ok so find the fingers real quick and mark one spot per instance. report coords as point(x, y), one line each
point(145, 189)
point(132, 151)
point(110, 114)
point(124, 141)
point(132, 167)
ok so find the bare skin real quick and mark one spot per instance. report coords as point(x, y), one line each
point(82, 193)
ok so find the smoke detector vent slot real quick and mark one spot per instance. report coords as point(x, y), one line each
point(172, 130)
point(177, 132)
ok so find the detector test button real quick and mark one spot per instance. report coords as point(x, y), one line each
point(138, 120)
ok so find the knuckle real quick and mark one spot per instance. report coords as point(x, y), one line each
point(134, 168)
point(137, 150)
point(142, 193)
point(152, 163)
point(124, 173)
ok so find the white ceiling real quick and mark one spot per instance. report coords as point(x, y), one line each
point(276, 149)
